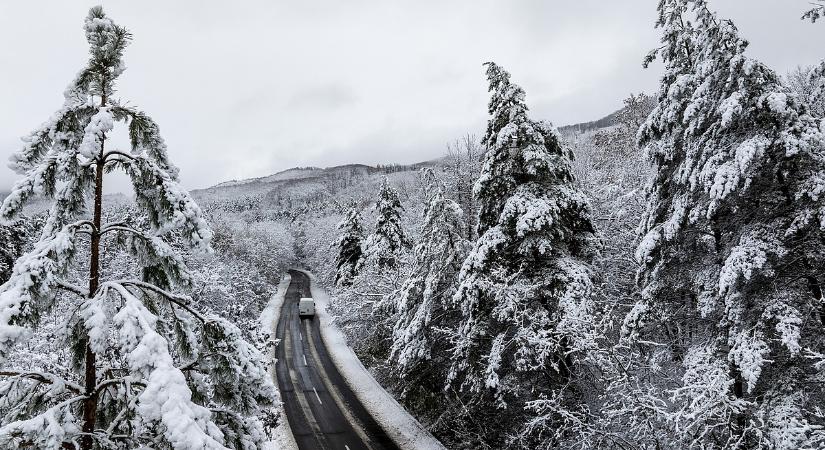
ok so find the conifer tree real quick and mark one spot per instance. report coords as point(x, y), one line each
point(424, 301)
point(524, 288)
point(149, 369)
point(12, 240)
point(733, 240)
point(349, 246)
point(384, 245)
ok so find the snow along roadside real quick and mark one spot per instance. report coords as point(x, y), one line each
point(403, 428)
point(283, 438)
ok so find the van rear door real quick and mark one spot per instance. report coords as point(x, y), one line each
point(306, 307)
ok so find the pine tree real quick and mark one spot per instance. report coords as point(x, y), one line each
point(733, 240)
point(384, 245)
point(12, 241)
point(524, 288)
point(424, 303)
point(349, 246)
point(149, 369)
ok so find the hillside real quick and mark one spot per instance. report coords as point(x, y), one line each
point(299, 182)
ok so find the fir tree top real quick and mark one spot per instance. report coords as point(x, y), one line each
point(525, 164)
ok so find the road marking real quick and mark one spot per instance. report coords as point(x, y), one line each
point(332, 390)
point(316, 395)
point(346, 446)
point(291, 365)
point(305, 360)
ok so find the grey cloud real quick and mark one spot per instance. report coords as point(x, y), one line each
point(244, 91)
point(327, 96)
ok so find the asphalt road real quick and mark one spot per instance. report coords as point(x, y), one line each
point(321, 408)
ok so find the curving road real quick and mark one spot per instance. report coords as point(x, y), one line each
point(322, 410)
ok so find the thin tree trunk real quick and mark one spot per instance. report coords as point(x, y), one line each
point(816, 291)
point(90, 404)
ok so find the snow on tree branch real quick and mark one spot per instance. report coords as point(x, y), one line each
point(169, 207)
point(29, 290)
point(167, 399)
point(816, 12)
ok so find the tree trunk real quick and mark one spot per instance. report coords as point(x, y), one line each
point(90, 404)
point(816, 291)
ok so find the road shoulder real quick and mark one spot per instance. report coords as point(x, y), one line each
point(282, 438)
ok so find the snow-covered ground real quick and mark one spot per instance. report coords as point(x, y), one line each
point(282, 438)
point(403, 428)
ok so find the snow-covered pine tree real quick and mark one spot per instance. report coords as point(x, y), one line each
point(349, 246)
point(524, 288)
point(12, 240)
point(424, 304)
point(149, 369)
point(384, 245)
point(733, 240)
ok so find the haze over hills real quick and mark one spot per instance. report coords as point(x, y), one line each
point(308, 178)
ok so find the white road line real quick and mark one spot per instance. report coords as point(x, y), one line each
point(346, 446)
point(316, 396)
point(305, 360)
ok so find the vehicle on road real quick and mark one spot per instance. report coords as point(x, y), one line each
point(306, 307)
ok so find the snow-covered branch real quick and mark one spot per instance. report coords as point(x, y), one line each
point(816, 12)
point(43, 377)
point(182, 301)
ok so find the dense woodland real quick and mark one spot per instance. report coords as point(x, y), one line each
point(651, 280)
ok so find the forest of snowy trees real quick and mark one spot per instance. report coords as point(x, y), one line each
point(650, 284)
point(601, 301)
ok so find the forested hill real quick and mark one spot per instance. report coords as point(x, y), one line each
point(606, 121)
point(303, 179)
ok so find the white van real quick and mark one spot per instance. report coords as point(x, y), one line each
point(306, 307)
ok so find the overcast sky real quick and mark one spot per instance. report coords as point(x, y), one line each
point(248, 88)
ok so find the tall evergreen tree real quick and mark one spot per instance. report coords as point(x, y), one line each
point(149, 369)
point(384, 245)
point(424, 303)
point(349, 246)
point(524, 288)
point(733, 240)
